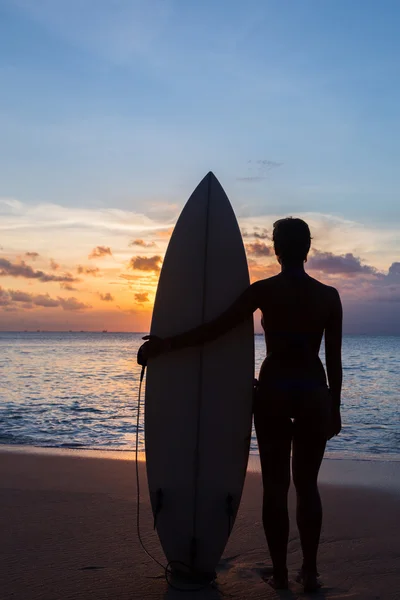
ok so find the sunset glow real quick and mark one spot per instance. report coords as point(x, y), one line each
point(109, 123)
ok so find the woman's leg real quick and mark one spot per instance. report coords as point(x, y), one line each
point(274, 435)
point(308, 450)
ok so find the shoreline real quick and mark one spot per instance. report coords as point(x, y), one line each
point(122, 453)
point(361, 472)
point(69, 531)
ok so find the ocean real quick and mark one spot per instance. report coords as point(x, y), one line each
point(80, 390)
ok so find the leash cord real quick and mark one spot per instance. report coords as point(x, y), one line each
point(167, 569)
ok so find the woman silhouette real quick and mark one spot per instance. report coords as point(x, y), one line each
point(294, 408)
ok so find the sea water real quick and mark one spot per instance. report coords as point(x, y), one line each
point(80, 390)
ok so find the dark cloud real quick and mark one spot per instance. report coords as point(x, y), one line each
point(344, 264)
point(141, 297)
point(93, 271)
point(7, 268)
point(4, 297)
point(53, 265)
point(100, 251)
point(72, 304)
point(27, 301)
point(259, 249)
point(18, 296)
point(32, 255)
point(144, 263)
point(394, 272)
point(45, 301)
point(107, 297)
point(143, 244)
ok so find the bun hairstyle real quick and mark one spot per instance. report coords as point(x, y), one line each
point(292, 240)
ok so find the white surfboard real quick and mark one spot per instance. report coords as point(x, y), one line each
point(198, 403)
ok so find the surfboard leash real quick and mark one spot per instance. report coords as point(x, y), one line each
point(168, 572)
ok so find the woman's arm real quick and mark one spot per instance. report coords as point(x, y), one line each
point(242, 308)
point(333, 356)
point(238, 312)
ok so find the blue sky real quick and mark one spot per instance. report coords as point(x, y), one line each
point(126, 104)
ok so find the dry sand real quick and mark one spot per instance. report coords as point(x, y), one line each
point(68, 532)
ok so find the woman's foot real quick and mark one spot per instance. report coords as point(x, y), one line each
point(309, 580)
point(279, 580)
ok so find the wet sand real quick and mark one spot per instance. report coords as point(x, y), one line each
point(68, 531)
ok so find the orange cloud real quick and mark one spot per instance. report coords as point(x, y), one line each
point(107, 297)
point(144, 263)
point(100, 251)
point(32, 255)
point(259, 249)
point(165, 233)
point(94, 271)
point(53, 265)
point(259, 233)
point(143, 244)
point(141, 297)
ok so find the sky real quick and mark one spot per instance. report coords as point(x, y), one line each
point(112, 111)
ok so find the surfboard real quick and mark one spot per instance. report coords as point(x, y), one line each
point(198, 401)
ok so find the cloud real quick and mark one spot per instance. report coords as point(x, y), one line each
point(394, 272)
point(72, 304)
point(258, 170)
point(93, 271)
point(28, 301)
point(143, 244)
point(259, 233)
point(4, 297)
point(53, 265)
point(68, 287)
point(344, 264)
point(141, 297)
point(107, 297)
point(165, 234)
point(32, 255)
point(18, 296)
point(144, 263)
point(259, 249)
point(100, 251)
point(45, 301)
point(7, 268)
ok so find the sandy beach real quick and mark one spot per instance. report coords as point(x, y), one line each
point(68, 532)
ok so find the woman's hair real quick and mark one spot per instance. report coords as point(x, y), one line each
point(292, 239)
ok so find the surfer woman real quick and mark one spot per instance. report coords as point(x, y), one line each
point(294, 408)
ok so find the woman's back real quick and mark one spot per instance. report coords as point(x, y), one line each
point(296, 310)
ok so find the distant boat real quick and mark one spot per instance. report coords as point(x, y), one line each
point(104, 331)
